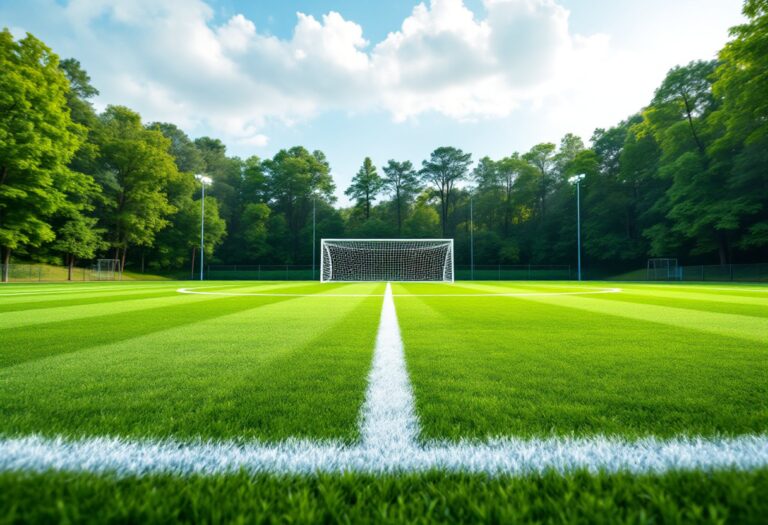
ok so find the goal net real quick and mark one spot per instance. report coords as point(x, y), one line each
point(107, 270)
point(663, 270)
point(386, 260)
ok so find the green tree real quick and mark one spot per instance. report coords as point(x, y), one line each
point(508, 170)
point(401, 180)
point(424, 221)
point(295, 177)
point(366, 184)
point(445, 167)
point(542, 157)
point(137, 168)
point(37, 141)
point(742, 149)
point(79, 238)
point(256, 230)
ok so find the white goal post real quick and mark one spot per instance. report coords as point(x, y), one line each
point(663, 269)
point(107, 270)
point(414, 260)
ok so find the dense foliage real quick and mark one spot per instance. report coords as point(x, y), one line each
point(686, 177)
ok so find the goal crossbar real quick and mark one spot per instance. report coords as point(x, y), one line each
point(407, 260)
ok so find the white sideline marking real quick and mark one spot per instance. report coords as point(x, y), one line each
point(389, 431)
point(81, 290)
point(193, 291)
point(499, 457)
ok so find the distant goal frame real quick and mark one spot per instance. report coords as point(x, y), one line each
point(663, 269)
point(448, 270)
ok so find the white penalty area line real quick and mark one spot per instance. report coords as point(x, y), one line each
point(193, 291)
point(389, 430)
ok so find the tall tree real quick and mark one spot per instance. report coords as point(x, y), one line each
point(742, 150)
point(365, 186)
point(37, 141)
point(542, 157)
point(445, 167)
point(137, 168)
point(295, 177)
point(696, 203)
point(686, 92)
point(509, 169)
point(401, 180)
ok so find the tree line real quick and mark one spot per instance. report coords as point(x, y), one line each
point(685, 177)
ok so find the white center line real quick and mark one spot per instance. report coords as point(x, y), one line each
point(389, 420)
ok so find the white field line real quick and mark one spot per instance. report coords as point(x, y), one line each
point(500, 457)
point(522, 294)
point(388, 419)
point(84, 290)
point(389, 430)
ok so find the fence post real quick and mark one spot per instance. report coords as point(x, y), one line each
point(499, 272)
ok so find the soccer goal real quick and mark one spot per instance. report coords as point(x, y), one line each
point(107, 270)
point(663, 270)
point(386, 260)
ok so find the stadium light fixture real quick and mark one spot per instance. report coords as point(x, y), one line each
point(204, 181)
point(576, 179)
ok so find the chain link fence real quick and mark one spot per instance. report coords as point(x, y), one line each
point(498, 272)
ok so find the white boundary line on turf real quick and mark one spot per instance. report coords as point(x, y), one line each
point(388, 421)
point(389, 430)
point(193, 291)
point(102, 455)
point(81, 290)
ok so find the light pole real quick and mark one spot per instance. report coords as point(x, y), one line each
point(576, 179)
point(314, 222)
point(204, 181)
point(471, 239)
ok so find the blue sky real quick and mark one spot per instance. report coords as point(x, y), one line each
point(392, 79)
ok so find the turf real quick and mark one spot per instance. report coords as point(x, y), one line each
point(142, 360)
point(693, 497)
point(189, 366)
point(584, 364)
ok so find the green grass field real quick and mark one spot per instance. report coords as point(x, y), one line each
point(268, 362)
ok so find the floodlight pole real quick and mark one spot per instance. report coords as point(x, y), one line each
point(203, 182)
point(314, 232)
point(471, 239)
point(577, 179)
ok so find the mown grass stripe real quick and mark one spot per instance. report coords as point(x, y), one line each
point(247, 374)
point(740, 326)
point(60, 337)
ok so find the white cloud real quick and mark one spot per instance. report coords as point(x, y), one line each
point(171, 61)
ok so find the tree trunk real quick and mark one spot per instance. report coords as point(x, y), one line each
point(122, 261)
point(142, 261)
point(690, 124)
point(399, 214)
point(70, 264)
point(722, 248)
point(192, 270)
point(6, 263)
